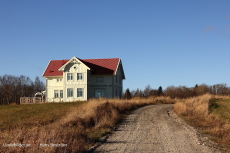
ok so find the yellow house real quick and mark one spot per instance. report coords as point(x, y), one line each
point(81, 79)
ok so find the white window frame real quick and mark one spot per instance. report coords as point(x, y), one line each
point(61, 93)
point(69, 92)
point(79, 76)
point(69, 76)
point(56, 93)
point(79, 92)
point(59, 80)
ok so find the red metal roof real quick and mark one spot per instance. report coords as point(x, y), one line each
point(97, 66)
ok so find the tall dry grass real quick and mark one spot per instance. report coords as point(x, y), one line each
point(77, 130)
point(196, 112)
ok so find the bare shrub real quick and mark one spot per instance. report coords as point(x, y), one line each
point(180, 108)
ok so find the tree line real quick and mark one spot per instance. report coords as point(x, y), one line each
point(14, 87)
point(179, 92)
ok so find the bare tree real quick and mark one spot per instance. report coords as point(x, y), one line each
point(38, 85)
point(147, 90)
point(12, 88)
point(137, 93)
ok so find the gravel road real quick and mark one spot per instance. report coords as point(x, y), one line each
point(153, 129)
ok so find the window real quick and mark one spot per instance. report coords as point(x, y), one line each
point(79, 92)
point(69, 76)
point(59, 80)
point(69, 92)
point(79, 76)
point(99, 93)
point(99, 79)
point(56, 93)
point(61, 93)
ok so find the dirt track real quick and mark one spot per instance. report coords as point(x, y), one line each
point(153, 129)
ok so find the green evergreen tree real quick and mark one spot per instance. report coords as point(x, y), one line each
point(160, 91)
point(127, 94)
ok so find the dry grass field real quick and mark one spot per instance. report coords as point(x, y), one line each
point(63, 127)
point(210, 115)
point(75, 127)
point(12, 116)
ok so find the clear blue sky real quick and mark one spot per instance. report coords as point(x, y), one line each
point(160, 42)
